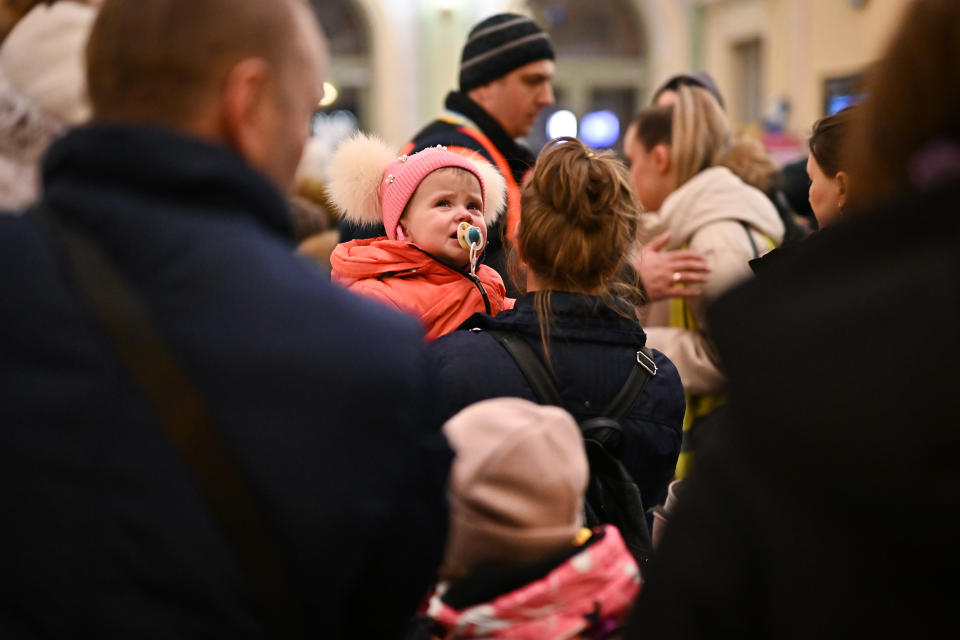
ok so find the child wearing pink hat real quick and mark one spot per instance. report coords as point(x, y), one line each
point(518, 563)
point(435, 206)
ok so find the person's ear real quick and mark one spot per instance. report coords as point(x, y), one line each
point(244, 95)
point(661, 159)
point(481, 95)
point(843, 188)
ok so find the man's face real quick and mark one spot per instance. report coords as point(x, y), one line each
point(515, 100)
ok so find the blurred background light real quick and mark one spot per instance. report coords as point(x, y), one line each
point(330, 94)
point(836, 103)
point(562, 123)
point(600, 129)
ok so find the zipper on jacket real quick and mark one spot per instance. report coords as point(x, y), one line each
point(483, 292)
point(469, 276)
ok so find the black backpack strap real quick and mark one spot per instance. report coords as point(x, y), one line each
point(612, 495)
point(753, 244)
point(622, 404)
point(605, 428)
point(545, 388)
point(540, 380)
point(183, 415)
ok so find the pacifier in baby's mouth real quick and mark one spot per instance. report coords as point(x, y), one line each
point(468, 235)
point(471, 239)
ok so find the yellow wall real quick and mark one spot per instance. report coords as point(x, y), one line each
point(846, 40)
point(416, 46)
point(416, 50)
point(805, 42)
point(668, 34)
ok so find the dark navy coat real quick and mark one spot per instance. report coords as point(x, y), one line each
point(825, 506)
point(104, 534)
point(593, 349)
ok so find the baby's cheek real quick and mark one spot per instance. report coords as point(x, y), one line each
point(482, 226)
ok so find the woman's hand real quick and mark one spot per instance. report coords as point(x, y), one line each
point(670, 274)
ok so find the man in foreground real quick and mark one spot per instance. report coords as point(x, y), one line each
point(198, 456)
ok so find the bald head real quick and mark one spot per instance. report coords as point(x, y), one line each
point(158, 60)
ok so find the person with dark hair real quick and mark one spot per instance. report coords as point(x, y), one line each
point(188, 448)
point(827, 165)
point(829, 181)
point(579, 221)
point(506, 67)
point(801, 521)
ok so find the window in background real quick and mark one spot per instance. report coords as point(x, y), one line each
point(620, 103)
point(601, 48)
point(841, 92)
point(748, 65)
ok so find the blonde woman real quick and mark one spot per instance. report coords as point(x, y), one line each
point(677, 154)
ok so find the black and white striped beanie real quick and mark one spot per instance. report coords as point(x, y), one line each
point(498, 45)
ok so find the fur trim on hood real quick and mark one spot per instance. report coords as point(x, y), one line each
point(370, 185)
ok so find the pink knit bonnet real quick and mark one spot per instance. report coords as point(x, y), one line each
point(516, 486)
point(370, 184)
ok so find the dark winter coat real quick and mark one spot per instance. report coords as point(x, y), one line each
point(592, 350)
point(104, 533)
point(827, 506)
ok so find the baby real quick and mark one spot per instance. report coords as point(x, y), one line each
point(435, 206)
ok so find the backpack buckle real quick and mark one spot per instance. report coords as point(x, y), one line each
point(647, 363)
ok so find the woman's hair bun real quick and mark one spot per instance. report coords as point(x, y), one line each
point(579, 215)
point(577, 181)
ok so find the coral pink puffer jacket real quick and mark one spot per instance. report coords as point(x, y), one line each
point(587, 596)
point(405, 277)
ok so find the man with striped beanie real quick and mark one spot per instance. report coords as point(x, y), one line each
point(506, 68)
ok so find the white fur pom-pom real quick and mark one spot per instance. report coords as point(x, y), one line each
point(356, 171)
point(496, 190)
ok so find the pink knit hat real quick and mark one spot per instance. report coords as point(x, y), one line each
point(369, 184)
point(516, 486)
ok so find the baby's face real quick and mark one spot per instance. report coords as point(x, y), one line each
point(444, 199)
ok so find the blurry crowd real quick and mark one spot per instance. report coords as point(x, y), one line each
point(254, 384)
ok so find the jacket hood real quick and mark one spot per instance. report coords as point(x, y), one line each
point(713, 195)
point(589, 592)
